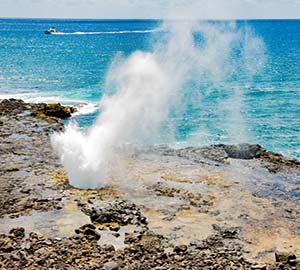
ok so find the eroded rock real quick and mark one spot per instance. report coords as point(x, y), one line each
point(17, 232)
point(118, 211)
point(284, 257)
point(89, 231)
point(56, 110)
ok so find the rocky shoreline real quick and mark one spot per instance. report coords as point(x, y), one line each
point(216, 207)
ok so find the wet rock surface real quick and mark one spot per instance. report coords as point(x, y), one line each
point(220, 153)
point(215, 207)
point(26, 158)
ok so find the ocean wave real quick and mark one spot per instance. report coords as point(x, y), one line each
point(85, 108)
point(108, 32)
point(38, 98)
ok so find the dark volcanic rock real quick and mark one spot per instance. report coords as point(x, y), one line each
point(217, 153)
point(89, 231)
point(241, 151)
point(121, 212)
point(284, 257)
point(56, 110)
point(18, 232)
point(204, 154)
point(275, 162)
point(180, 249)
point(114, 227)
point(15, 106)
point(226, 232)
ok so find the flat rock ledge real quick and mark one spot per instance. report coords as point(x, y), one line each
point(26, 157)
point(32, 180)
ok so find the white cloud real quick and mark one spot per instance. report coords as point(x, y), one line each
point(205, 9)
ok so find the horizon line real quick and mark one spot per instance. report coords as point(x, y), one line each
point(150, 19)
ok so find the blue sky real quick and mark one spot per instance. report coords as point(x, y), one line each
point(200, 9)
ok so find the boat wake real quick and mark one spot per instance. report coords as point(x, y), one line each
point(108, 32)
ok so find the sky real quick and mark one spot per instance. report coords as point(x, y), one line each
point(156, 9)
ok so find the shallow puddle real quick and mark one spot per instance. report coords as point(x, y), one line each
point(56, 223)
point(17, 158)
point(108, 237)
point(62, 223)
point(21, 174)
point(185, 227)
point(18, 136)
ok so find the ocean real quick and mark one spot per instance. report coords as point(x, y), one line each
point(74, 67)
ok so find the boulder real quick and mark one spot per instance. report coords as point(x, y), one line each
point(118, 211)
point(180, 249)
point(57, 110)
point(227, 232)
point(284, 257)
point(112, 265)
point(18, 232)
point(114, 227)
point(89, 231)
point(242, 151)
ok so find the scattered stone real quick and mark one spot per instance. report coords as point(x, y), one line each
point(89, 231)
point(259, 267)
point(146, 250)
point(284, 257)
point(6, 246)
point(199, 244)
point(114, 227)
point(292, 262)
point(180, 249)
point(18, 232)
point(111, 266)
point(214, 213)
point(131, 238)
point(226, 232)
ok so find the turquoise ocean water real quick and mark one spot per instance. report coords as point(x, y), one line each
point(71, 68)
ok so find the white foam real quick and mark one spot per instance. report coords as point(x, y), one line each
point(82, 106)
point(85, 108)
point(38, 98)
point(108, 32)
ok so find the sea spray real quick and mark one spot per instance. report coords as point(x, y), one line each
point(148, 87)
point(231, 56)
point(131, 115)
